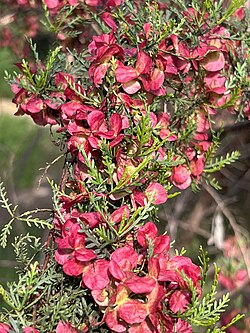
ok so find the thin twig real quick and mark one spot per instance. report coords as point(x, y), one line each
point(49, 164)
point(49, 243)
point(195, 230)
point(233, 223)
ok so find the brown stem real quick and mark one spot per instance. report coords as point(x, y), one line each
point(48, 245)
point(64, 179)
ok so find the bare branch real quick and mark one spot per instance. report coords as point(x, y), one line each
point(233, 223)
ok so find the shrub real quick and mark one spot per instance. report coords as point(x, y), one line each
point(134, 114)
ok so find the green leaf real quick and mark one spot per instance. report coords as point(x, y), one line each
point(220, 162)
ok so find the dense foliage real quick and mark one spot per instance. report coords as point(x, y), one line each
point(134, 114)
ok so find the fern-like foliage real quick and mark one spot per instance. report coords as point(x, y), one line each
point(212, 181)
point(220, 162)
point(59, 297)
point(224, 328)
point(23, 245)
point(206, 311)
point(26, 217)
point(64, 21)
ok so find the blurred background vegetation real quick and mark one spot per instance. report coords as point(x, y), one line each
point(24, 149)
